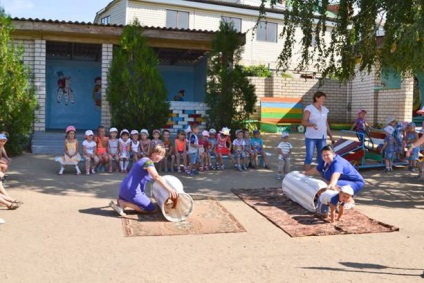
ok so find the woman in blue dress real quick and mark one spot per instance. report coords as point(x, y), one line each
point(132, 189)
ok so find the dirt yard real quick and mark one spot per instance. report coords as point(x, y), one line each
point(65, 232)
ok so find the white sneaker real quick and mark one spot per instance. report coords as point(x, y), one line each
point(61, 170)
point(2, 221)
point(117, 208)
point(93, 171)
point(78, 171)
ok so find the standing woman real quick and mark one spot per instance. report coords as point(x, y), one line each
point(315, 121)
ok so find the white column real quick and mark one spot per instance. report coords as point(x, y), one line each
point(107, 54)
point(39, 70)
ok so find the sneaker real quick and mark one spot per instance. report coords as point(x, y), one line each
point(78, 171)
point(189, 173)
point(61, 171)
point(117, 208)
point(93, 171)
point(266, 167)
point(222, 167)
point(244, 167)
point(279, 176)
point(195, 172)
point(386, 170)
point(179, 170)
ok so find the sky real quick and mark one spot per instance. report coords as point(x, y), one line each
point(63, 10)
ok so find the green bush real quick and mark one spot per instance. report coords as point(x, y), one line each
point(17, 92)
point(257, 71)
point(136, 92)
point(229, 94)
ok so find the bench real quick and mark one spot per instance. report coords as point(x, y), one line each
point(281, 112)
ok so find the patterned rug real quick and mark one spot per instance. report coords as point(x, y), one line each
point(209, 217)
point(298, 222)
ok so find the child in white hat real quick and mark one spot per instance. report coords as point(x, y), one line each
point(329, 200)
point(89, 151)
point(284, 155)
point(113, 148)
point(124, 150)
point(388, 149)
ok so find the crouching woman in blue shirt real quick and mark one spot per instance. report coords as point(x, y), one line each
point(337, 171)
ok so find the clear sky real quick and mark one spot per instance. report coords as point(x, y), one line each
point(63, 10)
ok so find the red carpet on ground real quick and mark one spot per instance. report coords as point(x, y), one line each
point(208, 217)
point(298, 222)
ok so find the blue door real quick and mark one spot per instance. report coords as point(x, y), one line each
point(73, 94)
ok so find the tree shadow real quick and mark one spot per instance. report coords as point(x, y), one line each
point(362, 268)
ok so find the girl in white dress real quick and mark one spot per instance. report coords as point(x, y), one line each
point(89, 150)
point(113, 149)
point(124, 150)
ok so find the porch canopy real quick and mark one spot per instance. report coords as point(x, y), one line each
point(173, 46)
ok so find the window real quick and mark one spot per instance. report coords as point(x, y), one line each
point(267, 31)
point(105, 20)
point(176, 19)
point(236, 22)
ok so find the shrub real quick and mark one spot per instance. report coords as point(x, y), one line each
point(136, 92)
point(17, 92)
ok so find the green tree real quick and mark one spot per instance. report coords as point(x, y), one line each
point(357, 24)
point(229, 94)
point(17, 93)
point(136, 92)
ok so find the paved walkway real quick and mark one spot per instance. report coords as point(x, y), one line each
point(66, 233)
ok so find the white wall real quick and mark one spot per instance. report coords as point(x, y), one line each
point(207, 17)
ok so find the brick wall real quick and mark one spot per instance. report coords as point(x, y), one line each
point(337, 94)
point(184, 113)
point(362, 96)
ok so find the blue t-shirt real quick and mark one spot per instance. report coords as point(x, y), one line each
point(391, 143)
point(342, 166)
point(335, 200)
point(257, 143)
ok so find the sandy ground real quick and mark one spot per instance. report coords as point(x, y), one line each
point(66, 233)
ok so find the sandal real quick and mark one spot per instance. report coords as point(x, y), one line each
point(13, 206)
point(117, 208)
point(18, 202)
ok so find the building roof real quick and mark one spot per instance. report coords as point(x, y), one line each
point(171, 44)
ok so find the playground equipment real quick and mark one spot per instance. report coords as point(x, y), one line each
point(362, 149)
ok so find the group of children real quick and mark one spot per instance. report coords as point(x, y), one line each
point(191, 151)
point(398, 137)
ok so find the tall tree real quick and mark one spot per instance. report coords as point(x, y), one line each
point(17, 93)
point(357, 25)
point(229, 94)
point(136, 92)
